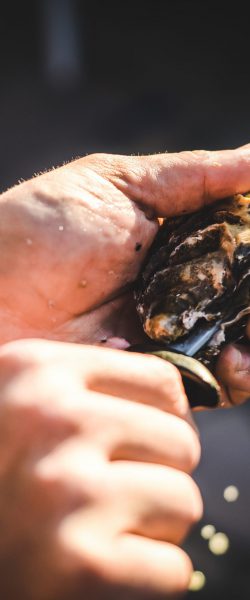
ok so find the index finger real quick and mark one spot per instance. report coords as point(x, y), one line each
point(176, 183)
point(145, 379)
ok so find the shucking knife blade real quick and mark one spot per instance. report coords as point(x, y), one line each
point(196, 340)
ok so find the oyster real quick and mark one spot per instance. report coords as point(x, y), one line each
point(198, 270)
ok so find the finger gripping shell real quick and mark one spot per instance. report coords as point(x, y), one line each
point(198, 269)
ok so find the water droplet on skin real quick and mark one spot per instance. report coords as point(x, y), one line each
point(61, 227)
point(207, 531)
point(219, 543)
point(51, 303)
point(29, 242)
point(197, 581)
point(83, 283)
point(231, 493)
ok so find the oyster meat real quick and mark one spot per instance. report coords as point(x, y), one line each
point(197, 270)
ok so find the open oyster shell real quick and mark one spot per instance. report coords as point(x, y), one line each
point(198, 269)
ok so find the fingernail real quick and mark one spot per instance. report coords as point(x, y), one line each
point(241, 360)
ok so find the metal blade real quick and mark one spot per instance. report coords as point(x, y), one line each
point(196, 340)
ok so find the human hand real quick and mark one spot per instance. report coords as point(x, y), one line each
point(95, 450)
point(233, 371)
point(72, 240)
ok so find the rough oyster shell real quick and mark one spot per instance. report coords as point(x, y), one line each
point(199, 269)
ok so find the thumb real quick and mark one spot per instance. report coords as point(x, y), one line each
point(170, 184)
point(233, 370)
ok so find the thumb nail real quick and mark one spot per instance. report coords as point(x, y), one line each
point(240, 359)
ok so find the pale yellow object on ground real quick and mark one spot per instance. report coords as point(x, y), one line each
point(231, 493)
point(219, 543)
point(207, 531)
point(197, 581)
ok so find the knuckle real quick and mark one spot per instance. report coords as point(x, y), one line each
point(38, 413)
point(196, 154)
point(17, 348)
point(55, 491)
point(20, 355)
point(11, 360)
point(164, 372)
point(34, 429)
point(92, 561)
point(49, 480)
point(65, 471)
point(28, 353)
point(201, 153)
point(101, 162)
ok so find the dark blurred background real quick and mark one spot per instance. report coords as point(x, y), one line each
point(139, 77)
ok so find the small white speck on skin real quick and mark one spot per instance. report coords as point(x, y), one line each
point(29, 242)
point(197, 581)
point(231, 493)
point(219, 543)
point(111, 272)
point(207, 531)
point(61, 228)
point(216, 164)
